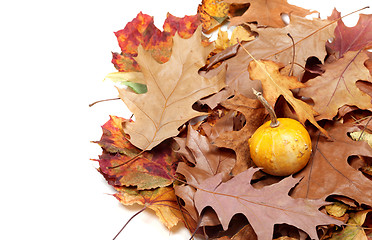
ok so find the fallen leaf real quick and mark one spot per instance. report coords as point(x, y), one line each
point(263, 207)
point(337, 209)
point(266, 13)
point(254, 114)
point(151, 169)
point(212, 14)
point(337, 86)
point(354, 229)
point(275, 84)
point(351, 38)
point(142, 31)
point(362, 136)
point(328, 172)
point(162, 200)
point(273, 44)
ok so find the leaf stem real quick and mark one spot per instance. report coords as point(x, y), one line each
point(130, 219)
point(104, 100)
point(274, 120)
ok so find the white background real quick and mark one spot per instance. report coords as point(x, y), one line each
point(53, 58)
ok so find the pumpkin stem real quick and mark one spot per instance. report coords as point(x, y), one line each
point(274, 120)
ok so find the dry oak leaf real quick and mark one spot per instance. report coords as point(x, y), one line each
point(173, 87)
point(328, 171)
point(263, 207)
point(151, 169)
point(351, 38)
point(273, 44)
point(142, 31)
point(337, 86)
point(275, 84)
point(266, 13)
point(208, 160)
point(162, 200)
point(254, 114)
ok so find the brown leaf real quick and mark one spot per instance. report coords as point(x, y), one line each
point(337, 86)
point(212, 13)
point(162, 200)
point(351, 38)
point(173, 87)
point(328, 171)
point(263, 207)
point(275, 84)
point(266, 13)
point(273, 44)
point(254, 113)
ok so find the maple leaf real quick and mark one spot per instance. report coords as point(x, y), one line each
point(142, 31)
point(151, 169)
point(275, 84)
point(266, 13)
point(254, 114)
point(263, 207)
point(173, 87)
point(337, 86)
point(328, 171)
point(351, 38)
point(162, 200)
point(273, 44)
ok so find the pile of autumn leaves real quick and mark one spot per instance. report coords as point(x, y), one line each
point(186, 154)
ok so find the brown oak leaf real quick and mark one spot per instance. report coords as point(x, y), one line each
point(273, 44)
point(173, 87)
point(263, 207)
point(328, 171)
point(162, 200)
point(151, 169)
point(351, 38)
point(275, 84)
point(337, 86)
point(254, 114)
point(266, 13)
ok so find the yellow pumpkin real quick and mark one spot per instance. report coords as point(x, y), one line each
point(281, 150)
point(281, 146)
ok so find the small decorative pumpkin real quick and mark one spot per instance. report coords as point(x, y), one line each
point(281, 146)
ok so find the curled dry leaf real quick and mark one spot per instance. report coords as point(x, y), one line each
point(162, 200)
point(263, 207)
point(275, 84)
point(173, 87)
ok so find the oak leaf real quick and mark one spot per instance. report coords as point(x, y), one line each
point(266, 13)
point(173, 87)
point(254, 114)
point(151, 169)
point(162, 200)
point(351, 38)
point(337, 86)
point(273, 44)
point(328, 172)
point(142, 31)
point(275, 84)
point(263, 207)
